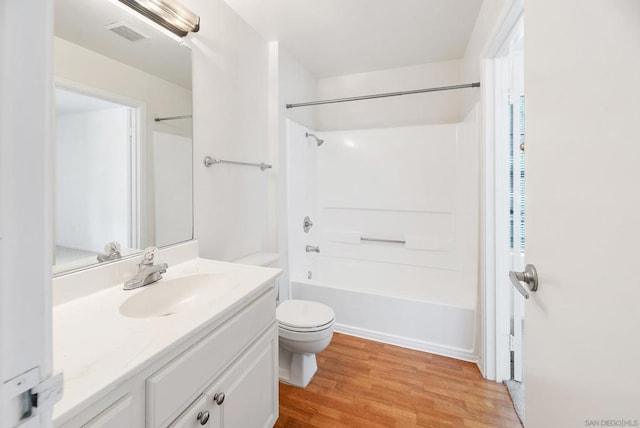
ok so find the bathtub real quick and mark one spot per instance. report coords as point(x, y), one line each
point(412, 307)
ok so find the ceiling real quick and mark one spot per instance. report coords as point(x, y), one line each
point(82, 22)
point(337, 37)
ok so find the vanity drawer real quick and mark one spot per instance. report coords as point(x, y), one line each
point(170, 389)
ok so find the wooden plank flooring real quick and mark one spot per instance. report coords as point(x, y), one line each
point(361, 383)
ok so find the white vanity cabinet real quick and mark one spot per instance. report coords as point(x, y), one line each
point(238, 359)
point(245, 395)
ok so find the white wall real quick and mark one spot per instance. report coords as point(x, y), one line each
point(419, 109)
point(92, 179)
point(491, 15)
point(173, 171)
point(87, 69)
point(295, 83)
point(487, 23)
point(289, 81)
point(231, 74)
point(301, 190)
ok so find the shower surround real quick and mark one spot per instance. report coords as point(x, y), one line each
point(395, 217)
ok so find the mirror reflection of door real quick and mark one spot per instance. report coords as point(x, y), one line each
point(94, 154)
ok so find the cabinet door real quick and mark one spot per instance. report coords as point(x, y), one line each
point(197, 415)
point(250, 387)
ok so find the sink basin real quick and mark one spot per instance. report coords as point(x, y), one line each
point(170, 296)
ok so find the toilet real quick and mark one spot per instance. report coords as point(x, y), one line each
point(304, 329)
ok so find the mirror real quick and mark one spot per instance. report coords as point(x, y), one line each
point(123, 180)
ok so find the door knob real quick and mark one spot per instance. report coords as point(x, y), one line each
point(529, 277)
point(307, 224)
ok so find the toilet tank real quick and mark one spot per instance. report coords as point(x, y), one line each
point(263, 259)
point(260, 259)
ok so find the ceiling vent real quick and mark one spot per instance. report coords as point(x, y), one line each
point(127, 31)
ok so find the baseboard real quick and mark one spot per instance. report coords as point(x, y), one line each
point(458, 354)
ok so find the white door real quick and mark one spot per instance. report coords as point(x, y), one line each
point(26, 86)
point(582, 344)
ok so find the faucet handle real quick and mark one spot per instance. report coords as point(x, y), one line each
point(112, 247)
point(111, 252)
point(148, 256)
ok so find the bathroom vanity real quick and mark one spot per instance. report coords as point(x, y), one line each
point(197, 348)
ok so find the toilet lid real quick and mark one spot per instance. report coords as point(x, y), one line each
point(303, 314)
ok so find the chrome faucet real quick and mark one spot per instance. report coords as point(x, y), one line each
point(111, 252)
point(312, 249)
point(148, 273)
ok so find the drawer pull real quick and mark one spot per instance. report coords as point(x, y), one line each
point(203, 417)
point(218, 397)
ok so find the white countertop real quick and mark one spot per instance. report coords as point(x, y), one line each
point(97, 348)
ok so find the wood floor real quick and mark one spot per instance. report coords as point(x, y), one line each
point(361, 383)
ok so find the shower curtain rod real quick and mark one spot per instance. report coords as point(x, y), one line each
point(385, 95)
point(186, 116)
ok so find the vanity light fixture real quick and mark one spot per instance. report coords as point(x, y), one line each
point(168, 14)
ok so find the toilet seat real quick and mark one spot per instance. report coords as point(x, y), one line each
point(307, 329)
point(298, 336)
point(303, 316)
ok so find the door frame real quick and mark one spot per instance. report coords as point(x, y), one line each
point(495, 299)
point(138, 154)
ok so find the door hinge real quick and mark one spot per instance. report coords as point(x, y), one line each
point(514, 343)
point(30, 396)
point(47, 393)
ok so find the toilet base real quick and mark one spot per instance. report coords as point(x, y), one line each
point(296, 369)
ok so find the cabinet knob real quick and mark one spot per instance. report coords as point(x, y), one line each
point(218, 397)
point(203, 417)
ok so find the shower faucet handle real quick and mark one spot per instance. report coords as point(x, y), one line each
point(307, 224)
